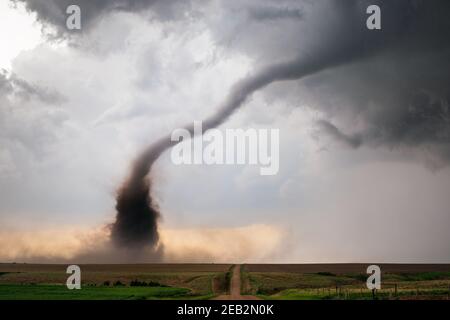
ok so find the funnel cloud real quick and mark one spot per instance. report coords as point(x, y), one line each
point(137, 212)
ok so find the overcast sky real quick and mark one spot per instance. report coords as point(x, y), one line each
point(364, 141)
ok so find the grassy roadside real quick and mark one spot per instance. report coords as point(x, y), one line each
point(221, 283)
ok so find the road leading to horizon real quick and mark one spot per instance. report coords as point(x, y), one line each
point(235, 287)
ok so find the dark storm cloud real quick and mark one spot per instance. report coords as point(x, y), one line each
point(412, 119)
point(53, 12)
point(418, 121)
point(411, 104)
point(399, 96)
point(384, 88)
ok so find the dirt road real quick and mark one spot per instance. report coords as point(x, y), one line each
point(235, 287)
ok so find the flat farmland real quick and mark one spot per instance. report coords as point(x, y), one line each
point(345, 281)
point(115, 281)
point(206, 281)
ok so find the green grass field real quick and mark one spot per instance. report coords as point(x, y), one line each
point(60, 292)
